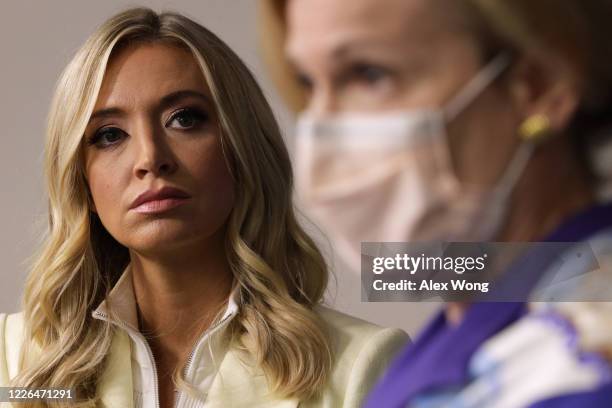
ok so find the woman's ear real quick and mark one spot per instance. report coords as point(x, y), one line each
point(544, 86)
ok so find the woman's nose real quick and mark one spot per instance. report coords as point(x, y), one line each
point(153, 154)
point(322, 101)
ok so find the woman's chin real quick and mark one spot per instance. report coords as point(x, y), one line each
point(160, 237)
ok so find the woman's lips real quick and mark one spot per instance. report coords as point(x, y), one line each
point(156, 201)
point(159, 206)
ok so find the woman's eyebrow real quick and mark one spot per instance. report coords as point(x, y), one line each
point(104, 113)
point(168, 100)
point(174, 97)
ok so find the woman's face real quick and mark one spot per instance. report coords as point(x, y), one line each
point(383, 55)
point(154, 126)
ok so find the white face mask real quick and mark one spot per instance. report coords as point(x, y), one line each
point(389, 178)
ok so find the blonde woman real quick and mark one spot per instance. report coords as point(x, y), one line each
point(474, 120)
point(174, 272)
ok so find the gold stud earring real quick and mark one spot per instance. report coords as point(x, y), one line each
point(535, 128)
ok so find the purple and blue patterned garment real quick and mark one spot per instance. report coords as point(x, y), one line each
point(506, 354)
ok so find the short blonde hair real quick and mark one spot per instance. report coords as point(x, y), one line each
point(576, 32)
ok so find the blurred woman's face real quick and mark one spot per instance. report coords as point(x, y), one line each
point(390, 55)
point(154, 126)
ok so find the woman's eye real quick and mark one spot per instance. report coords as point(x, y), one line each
point(187, 119)
point(368, 73)
point(304, 81)
point(106, 137)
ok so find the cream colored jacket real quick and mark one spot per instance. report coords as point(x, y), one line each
point(362, 351)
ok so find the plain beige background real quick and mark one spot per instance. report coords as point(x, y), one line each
point(37, 38)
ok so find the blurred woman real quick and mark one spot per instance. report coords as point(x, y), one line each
point(174, 272)
point(460, 121)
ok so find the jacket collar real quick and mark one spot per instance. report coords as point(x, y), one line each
point(235, 384)
point(115, 386)
point(240, 385)
point(121, 297)
point(123, 302)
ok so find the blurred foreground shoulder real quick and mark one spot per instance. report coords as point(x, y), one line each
point(11, 337)
point(362, 352)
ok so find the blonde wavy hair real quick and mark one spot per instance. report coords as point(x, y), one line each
point(280, 273)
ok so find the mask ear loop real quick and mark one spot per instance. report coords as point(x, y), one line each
point(532, 132)
point(514, 171)
point(511, 175)
point(476, 86)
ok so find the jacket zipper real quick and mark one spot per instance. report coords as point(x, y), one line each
point(149, 351)
point(208, 332)
point(138, 335)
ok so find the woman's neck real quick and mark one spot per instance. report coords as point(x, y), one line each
point(554, 187)
point(178, 295)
